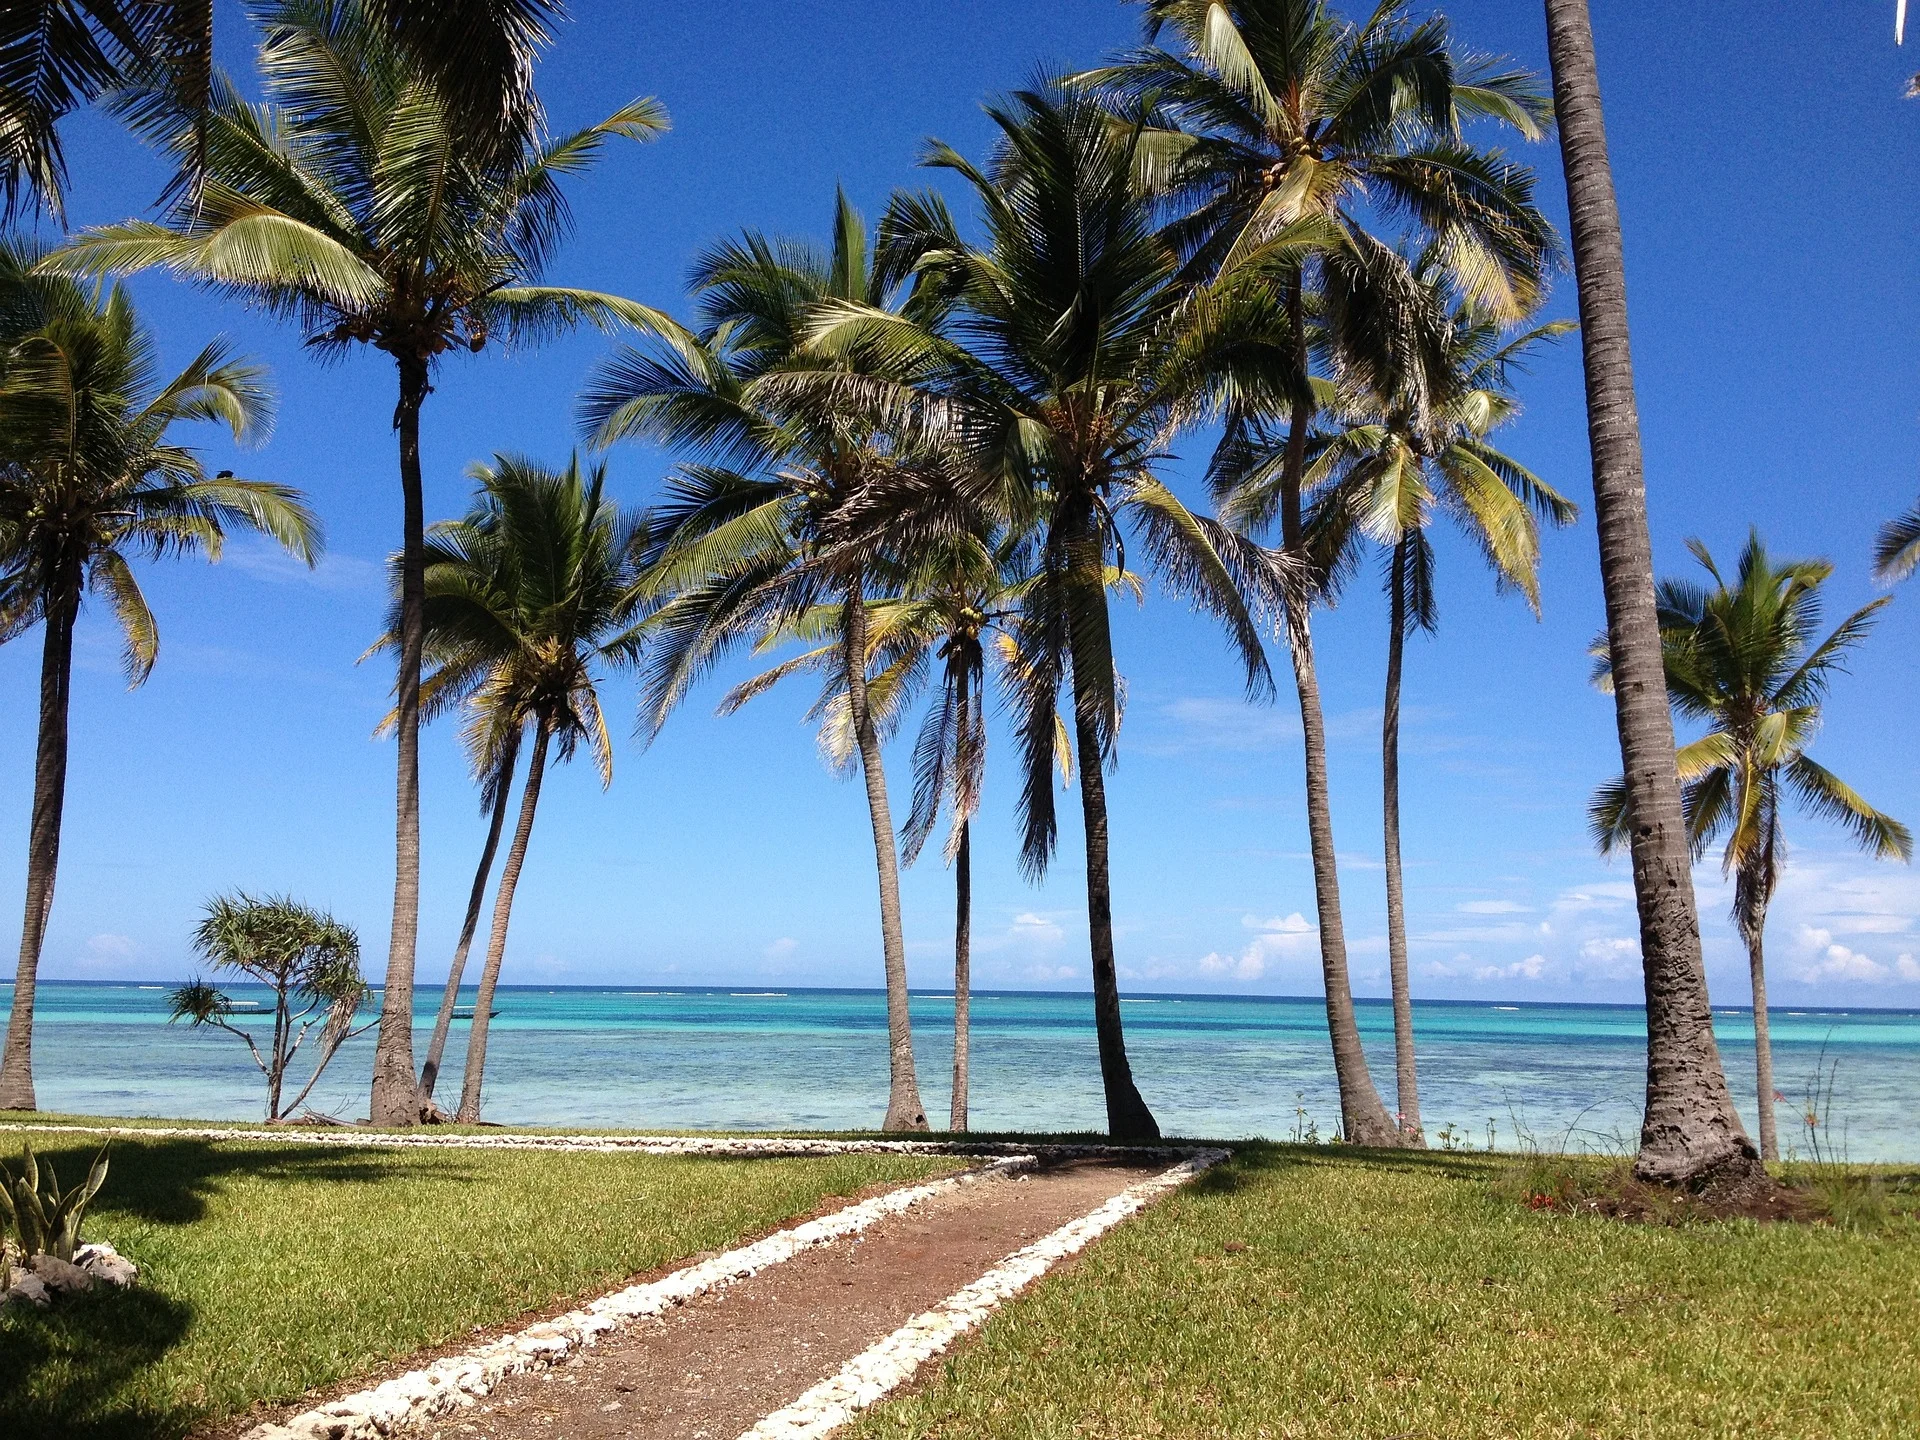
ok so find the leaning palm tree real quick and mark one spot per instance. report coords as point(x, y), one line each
point(1742, 659)
point(774, 521)
point(1896, 549)
point(1068, 365)
point(1690, 1132)
point(529, 598)
point(91, 480)
point(56, 55)
point(1412, 441)
point(356, 204)
point(1268, 113)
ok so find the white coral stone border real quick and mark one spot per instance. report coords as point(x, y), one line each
point(457, 1381)
point(875, 1373)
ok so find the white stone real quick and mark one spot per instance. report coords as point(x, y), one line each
point(103, 1262)
point(26, 1289)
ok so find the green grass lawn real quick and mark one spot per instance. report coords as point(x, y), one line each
point(1389, 1296)
point(270, 1268)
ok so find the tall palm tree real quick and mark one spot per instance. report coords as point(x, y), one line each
point(1690, 1133)
point(356, 204)
point(1067, 367)
point(1272, 112)
point(528, 599)
point(1412, 439)
point(91, 480)
point(1742, 659)
point(775, 524)
point(56, 55)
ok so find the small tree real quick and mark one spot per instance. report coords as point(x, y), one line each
point(310, 960)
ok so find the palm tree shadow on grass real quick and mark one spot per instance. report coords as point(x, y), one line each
point(91, 1345)
point(170, 1182)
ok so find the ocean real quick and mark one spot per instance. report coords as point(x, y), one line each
point(1560, 1076)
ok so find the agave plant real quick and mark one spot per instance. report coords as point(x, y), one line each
point(45, 1220)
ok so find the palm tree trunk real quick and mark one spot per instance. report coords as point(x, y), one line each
point(475, 1070)
point(962, 971)
point(1128, 1117)
point(43, 842)
point(1691, 1132)
point(1405, 1074)
point(904, 1110)
point(1753, 892)
point(1363, 1115)
point(282, 1032)
point(457, 970)
point(396, 1095)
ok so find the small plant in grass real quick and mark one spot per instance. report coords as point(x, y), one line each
point(310, 961)
point(1848, 1198)
point(37, 1217)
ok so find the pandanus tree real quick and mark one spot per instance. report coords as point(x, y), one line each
point(311, 963)
point(774, 519)
point(1741, 657)
point(1690, 1133)
point(529, 601)
point(1424, 382)
point(1065, 367)
point(359, 205)
point(1265, 114)
point(92, 479)
point(56, 55)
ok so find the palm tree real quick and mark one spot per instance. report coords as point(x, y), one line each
point(1690, 1133)
point(527, 599)
point(91, 480)
point(955, 610)
point(356, 204)
point(56, 55)
point(776, 524)
point(1276, 112)
point(1415, 418)
point(1741, 659)
point(1069, 364)
point(496, 789)
point(1896, 549)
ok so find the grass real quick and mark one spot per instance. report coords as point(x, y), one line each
point(272, 1268)
point(1300, 1291)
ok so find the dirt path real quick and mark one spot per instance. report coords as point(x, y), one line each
point(712, 1368)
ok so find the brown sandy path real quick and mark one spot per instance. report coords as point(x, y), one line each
point(710, 1369)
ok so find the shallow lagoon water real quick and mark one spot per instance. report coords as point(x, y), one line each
point(1219, 1066)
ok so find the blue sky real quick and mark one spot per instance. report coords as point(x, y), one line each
point(1765, 161)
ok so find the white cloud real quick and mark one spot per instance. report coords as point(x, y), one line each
point(1279, 939)
point(1037, 929)
point(1531, 968)
point(112, 947)
point(1609, 957)
point(1494, 907)
point(781, 948)
point(262, 560)
point(1827, 959)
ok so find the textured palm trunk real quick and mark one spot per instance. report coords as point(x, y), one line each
point(904, 1110)
point(1406, 1075)
point(1691, 1133)
point(396, 1096)
point(1363, 1115)
point(1752, 894)
point(282, 1027)
point(475, 1072)
point(962, 972)
point(457, 970)
point(1128, 1117)
point(43, 843)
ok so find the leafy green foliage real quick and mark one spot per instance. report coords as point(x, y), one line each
point(310, 961)
point(44, 1219)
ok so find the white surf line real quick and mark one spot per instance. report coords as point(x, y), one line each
point(877, 1372)
point(743, 1145)
point(459, 1380)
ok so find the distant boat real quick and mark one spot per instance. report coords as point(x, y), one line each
point(467, 1014)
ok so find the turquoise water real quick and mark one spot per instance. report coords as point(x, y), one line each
point(1208, 1065)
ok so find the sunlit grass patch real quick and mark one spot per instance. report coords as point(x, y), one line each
point(1323, 1292)
point(271, 1268)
